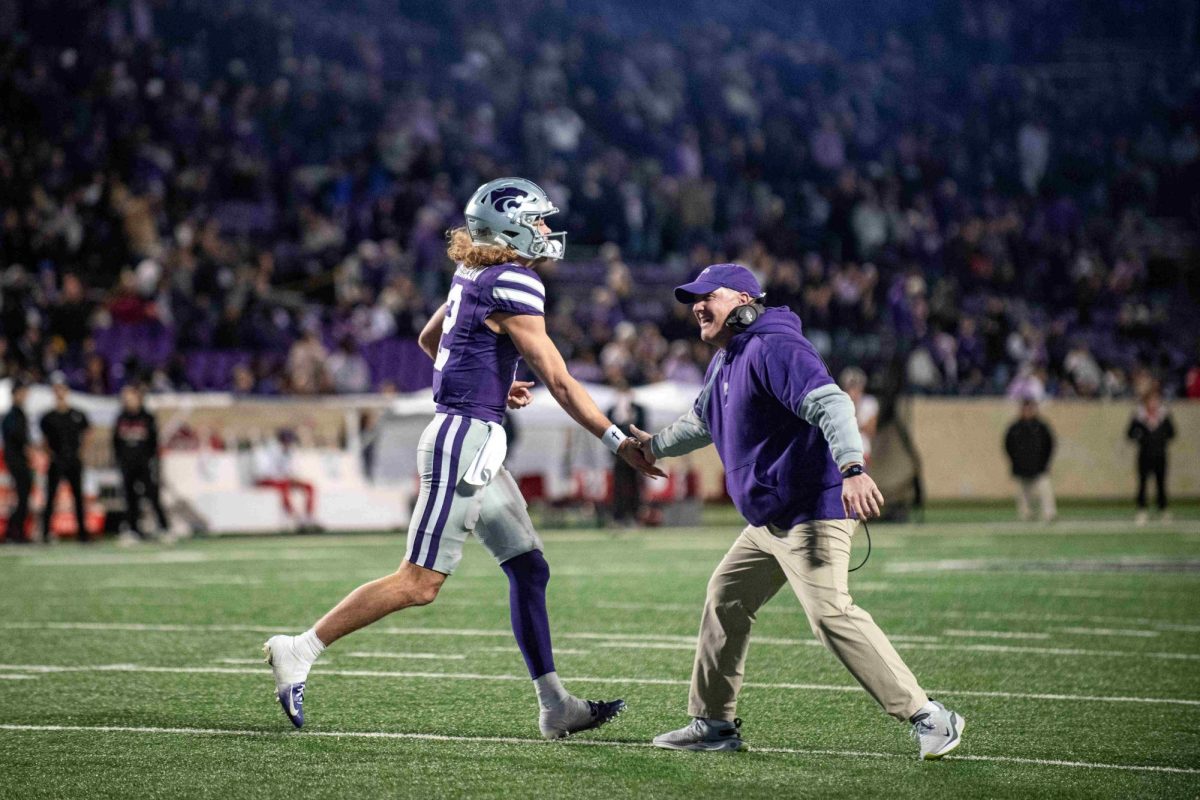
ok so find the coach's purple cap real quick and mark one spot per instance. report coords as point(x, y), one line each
point(730, 276)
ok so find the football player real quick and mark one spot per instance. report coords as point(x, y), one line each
point(492, 317)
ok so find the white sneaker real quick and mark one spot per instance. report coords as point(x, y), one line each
point(574, 715)
point(128, 539)
point(1141, 519)
point(291, 671)
point(700, 734)
point(1166, 518)
point(937, 729)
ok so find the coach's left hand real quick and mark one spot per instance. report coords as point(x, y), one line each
point(861, 498)
point(519, 395)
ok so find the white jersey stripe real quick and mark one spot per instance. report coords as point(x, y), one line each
point(518, 296)
point(525, 280)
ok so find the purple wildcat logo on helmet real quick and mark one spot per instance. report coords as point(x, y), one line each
point(508, 198)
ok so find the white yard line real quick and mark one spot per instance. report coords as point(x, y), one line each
point(10, 677)
point(596, 636)
point(420, 656)
point(1023, 616)
point(512, 650)
point(994, 634)
point(48, 669)
point(434, 737)
point(1135, 634)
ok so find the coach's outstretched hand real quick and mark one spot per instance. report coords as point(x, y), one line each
point(636, 456)
point(861, 498)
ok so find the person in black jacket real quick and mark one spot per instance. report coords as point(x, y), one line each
point(63, 430)
point(1152, 429)
point(627, 482)
point(16, 458)
point(135, 448)
point(1029, 443)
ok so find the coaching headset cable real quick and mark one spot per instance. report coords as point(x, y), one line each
point(863, 522)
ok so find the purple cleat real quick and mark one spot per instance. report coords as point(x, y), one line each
point(291, 697)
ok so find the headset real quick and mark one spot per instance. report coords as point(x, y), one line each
point(742, 317)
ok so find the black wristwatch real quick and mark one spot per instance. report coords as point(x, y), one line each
point(852, 470)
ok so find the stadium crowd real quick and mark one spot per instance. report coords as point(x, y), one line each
point(992, 205)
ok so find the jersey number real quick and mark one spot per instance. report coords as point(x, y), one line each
point(453, 300)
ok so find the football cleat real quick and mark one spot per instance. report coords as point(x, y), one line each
point(291, 698)
point(574, 715)
point(290, 671)
point(938, 731)
point(700, 734)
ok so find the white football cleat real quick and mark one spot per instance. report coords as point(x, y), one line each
point(291, 671)
point(574, 715)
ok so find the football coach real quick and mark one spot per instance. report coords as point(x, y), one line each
point(793, 458)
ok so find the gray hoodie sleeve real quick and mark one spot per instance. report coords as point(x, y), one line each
point(830, 409)
point(684, 435)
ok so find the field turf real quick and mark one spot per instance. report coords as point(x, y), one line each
point(1073, 652)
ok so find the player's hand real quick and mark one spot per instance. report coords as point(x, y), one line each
point(643, 443)
point(861, 498)
point(519, 395)
point(633, 455)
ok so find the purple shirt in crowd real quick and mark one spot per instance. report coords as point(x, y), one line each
point(778, 468)
point(475, 367)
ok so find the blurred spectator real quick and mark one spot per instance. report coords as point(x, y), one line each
point(135, 449)
point(1152, 429)
point(1029, 443)
point(306, 365)
point(274, 468)
point(347, 369)
point(17, 447)
point(64, 432)
point(866, 408)
point(627, 481)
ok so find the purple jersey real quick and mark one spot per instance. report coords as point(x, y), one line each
point(475, 367)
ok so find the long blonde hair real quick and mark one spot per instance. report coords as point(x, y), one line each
point(462, 250)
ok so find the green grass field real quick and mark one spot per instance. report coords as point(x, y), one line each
point(1073, 652)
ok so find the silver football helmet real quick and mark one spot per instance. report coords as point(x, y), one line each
point(506, 212)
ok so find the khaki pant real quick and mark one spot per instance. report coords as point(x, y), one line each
point(813, 557)
point(1040, 488)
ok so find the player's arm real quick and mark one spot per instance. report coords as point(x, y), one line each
point(431, 335)
point(528, 334)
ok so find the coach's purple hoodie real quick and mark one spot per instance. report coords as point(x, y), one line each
point(778, 468)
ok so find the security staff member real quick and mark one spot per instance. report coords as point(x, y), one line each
point(64, 429)
point(135, 448)
point(16, 457)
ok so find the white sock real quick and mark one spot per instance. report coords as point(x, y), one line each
point(550, 691)
point(308, 646)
